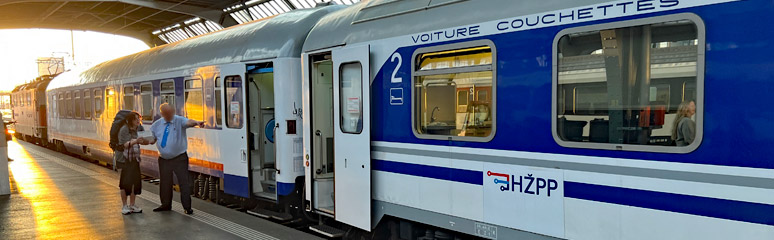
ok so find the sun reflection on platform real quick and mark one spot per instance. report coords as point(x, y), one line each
point(52, 211)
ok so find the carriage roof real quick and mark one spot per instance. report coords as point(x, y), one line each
point(280, 36)
point(381, 19)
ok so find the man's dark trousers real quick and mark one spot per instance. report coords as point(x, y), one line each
point(178, 165)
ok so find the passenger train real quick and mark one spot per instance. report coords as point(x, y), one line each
point(444, 119)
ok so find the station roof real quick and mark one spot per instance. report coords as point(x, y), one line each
point(156, 22)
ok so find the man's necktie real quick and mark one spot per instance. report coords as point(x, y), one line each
point(166, 134)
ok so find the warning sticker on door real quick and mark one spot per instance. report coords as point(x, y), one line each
point(353, 105)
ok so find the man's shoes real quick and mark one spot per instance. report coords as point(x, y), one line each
point(162, 209)
point(189, 211)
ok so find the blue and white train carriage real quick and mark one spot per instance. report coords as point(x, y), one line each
point(253, 149)
point(542, 119)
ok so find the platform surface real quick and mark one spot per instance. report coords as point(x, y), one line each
point(55, 196)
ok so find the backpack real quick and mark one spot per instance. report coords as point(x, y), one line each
point(118, 122)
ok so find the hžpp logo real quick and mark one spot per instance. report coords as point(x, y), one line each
point(527, 184)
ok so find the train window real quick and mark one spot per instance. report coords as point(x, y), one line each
point(462, 101)
point(350, 101)
point(97, 103)
point(61, 106)
point(128, 98)
point(194, 100)
point(146, 102)
point(77, 102)
point(445, 80)
point(69, 104)
point(87, 104)
point(233, 97)
point(218, 102)
point(167, 93)
point(623, 86)
point(110, 102)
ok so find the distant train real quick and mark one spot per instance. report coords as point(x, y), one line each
point(456, 119)
point(28, 103)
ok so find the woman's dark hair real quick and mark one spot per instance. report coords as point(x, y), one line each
point(132, 118)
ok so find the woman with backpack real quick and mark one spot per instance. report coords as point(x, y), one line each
point(128, 160)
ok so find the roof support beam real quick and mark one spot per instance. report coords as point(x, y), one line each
point(150, 15)
point(119, 16)
point(52, 10)
point(211, 14)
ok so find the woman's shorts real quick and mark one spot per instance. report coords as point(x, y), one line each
point(130, 180)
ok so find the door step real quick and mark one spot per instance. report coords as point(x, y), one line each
point(268, 214)
point(327, 231)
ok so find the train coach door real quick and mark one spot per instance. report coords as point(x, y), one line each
point(352, 134)
point(232, 143)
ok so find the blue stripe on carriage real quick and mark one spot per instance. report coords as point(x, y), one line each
point(442, 173)
point(694, 205)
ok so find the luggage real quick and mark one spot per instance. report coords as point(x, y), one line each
point(118, 122)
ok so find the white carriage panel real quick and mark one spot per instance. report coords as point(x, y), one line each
point(396, 188)
point(412, 159)
point(411, 146)
point(526, 198)
point(204, 144)
point(435, 195)
point(587, 220)
point(467, 199)
point(287, 105)
point(644, 224)
point(600, 221)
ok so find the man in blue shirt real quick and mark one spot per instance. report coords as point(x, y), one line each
point(170, 138)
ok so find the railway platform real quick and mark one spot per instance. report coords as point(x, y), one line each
point(56, 196)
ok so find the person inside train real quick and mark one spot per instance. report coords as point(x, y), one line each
point(683, 128)
point(169, 135)
point(128, 160)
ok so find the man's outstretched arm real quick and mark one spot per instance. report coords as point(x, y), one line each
point(194, 123)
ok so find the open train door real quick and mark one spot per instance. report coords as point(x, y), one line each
point(352, 134)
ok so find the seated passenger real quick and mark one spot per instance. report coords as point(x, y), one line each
point(684, 129)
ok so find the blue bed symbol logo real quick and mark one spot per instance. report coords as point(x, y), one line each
point(498, 179)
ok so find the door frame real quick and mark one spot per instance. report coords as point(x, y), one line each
point(306, 91)
point(248, 113)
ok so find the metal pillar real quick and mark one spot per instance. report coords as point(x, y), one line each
point(5, 184)
point(627, 64)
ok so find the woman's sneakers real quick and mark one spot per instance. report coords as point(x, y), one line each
point(126, 210)
point(136, 209)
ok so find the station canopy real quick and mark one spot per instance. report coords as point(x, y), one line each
point(154, 22)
